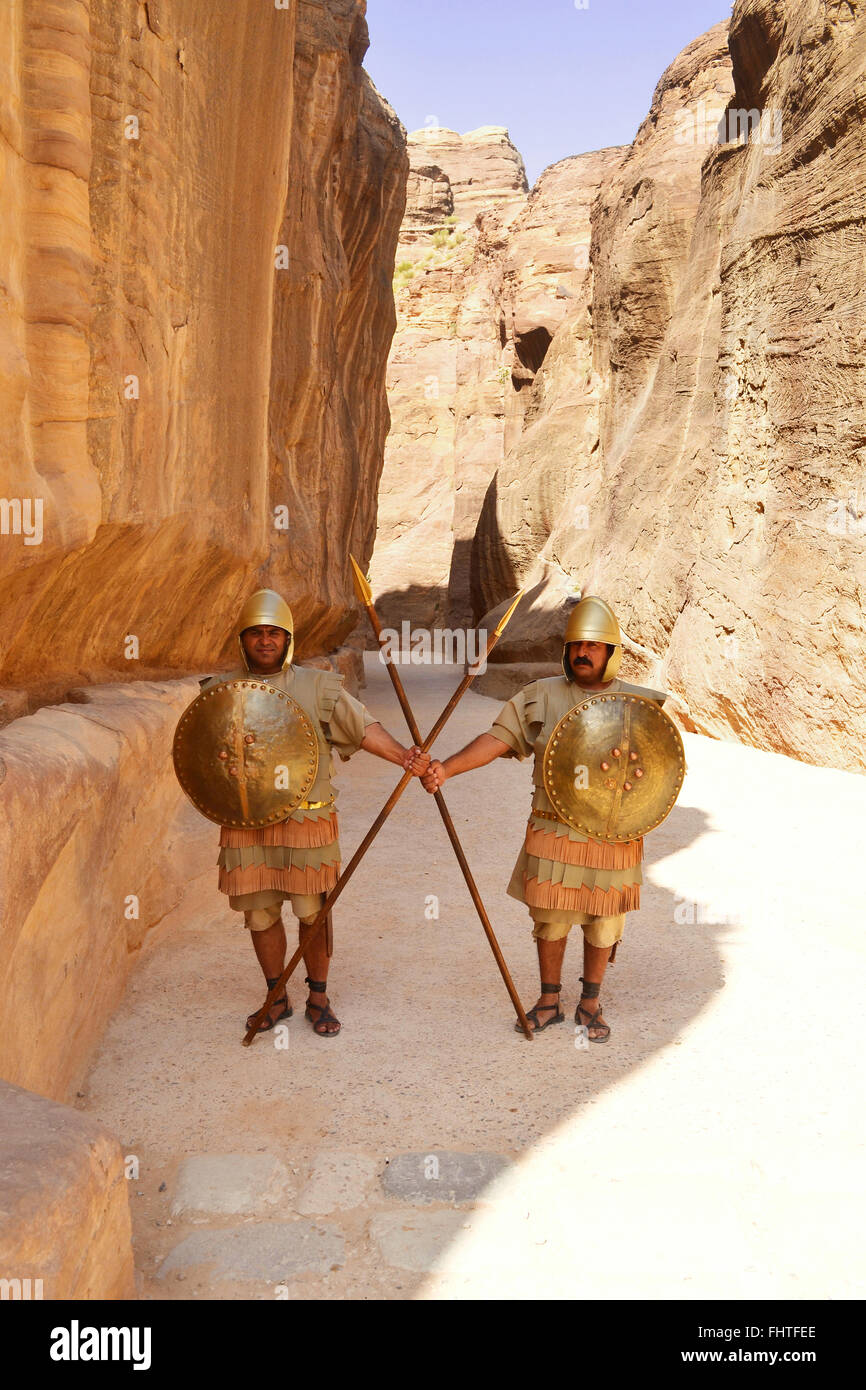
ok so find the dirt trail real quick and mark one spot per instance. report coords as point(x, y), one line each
point(712, 1148)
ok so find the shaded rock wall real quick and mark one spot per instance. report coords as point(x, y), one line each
point(715, 494)
point(168, 378)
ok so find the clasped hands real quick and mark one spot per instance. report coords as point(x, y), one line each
point(416, 761)
point(420, 764)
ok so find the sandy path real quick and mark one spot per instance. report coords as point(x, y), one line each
point(713, 1147)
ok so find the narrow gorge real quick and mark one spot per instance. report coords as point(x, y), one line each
point(250, 325)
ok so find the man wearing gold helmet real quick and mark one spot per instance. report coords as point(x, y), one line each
point(561, 875)
point(297, 858)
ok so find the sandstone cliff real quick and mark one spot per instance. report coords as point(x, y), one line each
point(201, 205)
point(714, 495)
point(445, 378)
point(486, 273)
point(550, 496)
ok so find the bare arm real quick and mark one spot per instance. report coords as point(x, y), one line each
point(478, 753)
point(377, 740)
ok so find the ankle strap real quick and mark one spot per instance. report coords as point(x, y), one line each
point(271, 983)
point(316, 986)
point(590, 989)
point(550, 989)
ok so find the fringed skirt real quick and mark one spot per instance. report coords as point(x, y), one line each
point(559, 870)
point(293, 856)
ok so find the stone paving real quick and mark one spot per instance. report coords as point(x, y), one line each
point(270, 1252)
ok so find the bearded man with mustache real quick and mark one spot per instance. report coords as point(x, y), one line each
point(563, 876)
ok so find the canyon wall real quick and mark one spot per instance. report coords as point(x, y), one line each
point(719, 487)
point(683, 436)
point(197, 235)
point(445, 385)
point(554, 491)
point(486, 273)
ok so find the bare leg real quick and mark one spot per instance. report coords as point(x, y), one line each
point(550, 956)
point(595, 960)
point(270, 949)
point(317, 960)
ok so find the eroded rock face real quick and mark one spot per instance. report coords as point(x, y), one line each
point(541, 515)
point(702, 427)
point(88, 867)
point(65, 1228)
point(169, 377)
point(445, 386)
point(479, 303)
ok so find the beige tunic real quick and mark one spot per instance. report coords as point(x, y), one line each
point(559, 870)
point(300, 854)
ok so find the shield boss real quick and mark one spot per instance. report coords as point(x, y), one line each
point(245, 753)
point(613, 767)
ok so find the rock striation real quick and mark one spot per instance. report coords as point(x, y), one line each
point(676, 426)
point(486, 272)
point(712, 489)
point(552, 494)
point(201, 206)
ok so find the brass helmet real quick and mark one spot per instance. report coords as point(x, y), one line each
point(593, 620)
point(266, 608)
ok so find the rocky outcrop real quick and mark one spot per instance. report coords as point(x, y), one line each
point(445, 384)
point(200, 211)
point(479, 302)
point(65, 1229)
point(550, 496)
point(334, 321)
point(692, 451)
point(88, 868)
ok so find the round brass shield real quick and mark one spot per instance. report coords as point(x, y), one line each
point(614, 766)
point(245, 753)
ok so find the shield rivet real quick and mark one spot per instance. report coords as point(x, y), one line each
point(638, 772)
point(633, 757)
point(249, 738)
point(223, 756)
point(617, 753)
point(626, 786)
point(605, 767)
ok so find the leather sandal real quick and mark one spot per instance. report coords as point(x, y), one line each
point(325, 1014)
point(591, 991)
point(532, 1014)
point(269, 1022)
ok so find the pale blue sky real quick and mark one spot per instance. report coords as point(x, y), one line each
point(563, 80)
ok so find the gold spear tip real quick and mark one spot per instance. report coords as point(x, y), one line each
point(362, 587)
point(503, 621)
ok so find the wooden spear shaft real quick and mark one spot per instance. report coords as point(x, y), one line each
point(316, 925)
point(364, 593)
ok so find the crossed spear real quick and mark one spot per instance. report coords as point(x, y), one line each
point(364, 592)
